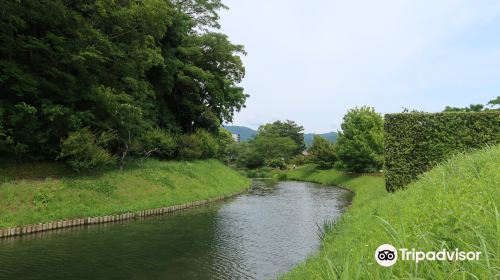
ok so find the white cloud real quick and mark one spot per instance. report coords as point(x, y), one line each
point(311, 61)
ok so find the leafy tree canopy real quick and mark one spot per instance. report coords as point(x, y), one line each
point(495, 102)
point(274, 145)
point(288, 129)
point(124, 66)
point(360, 143)
point(492, 104)
point(322, 152)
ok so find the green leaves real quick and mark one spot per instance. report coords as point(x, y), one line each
point(127, 66)
point(198, 145)
point(85, 150)
point(287, 129)
point(476, 107)
point(360, 144)
point(323, 152)
point(209, 70)
point(156, 142)
point(118, 108)
point(415, 142)
point(203, 12)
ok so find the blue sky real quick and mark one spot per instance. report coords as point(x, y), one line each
point(311, 61)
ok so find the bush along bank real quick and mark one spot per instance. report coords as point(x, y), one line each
point(152, 185)
point(454, 206)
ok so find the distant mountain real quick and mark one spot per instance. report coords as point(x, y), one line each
point(247, 133)
point(331, 136)
point(244, 132)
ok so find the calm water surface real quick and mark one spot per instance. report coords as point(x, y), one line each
point(258, 235)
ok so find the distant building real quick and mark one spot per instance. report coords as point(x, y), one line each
point(237, 138)
point(305, 153)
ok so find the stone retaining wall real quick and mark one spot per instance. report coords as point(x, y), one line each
point(28, 229)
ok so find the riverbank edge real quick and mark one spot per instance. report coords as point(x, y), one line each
point(339, 179)
point(342, 180)
point(402, 218)
point(354, 193)
point(42, 227)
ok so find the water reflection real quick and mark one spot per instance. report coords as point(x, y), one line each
point(259, 235)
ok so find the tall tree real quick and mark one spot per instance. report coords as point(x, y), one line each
point(360, 143)
point(288, 129)
point(494, 102)
point(322, 152)
point(471, 108)
point(274, 147)
point(124, 66)
point(476, 107)
point(204, 12)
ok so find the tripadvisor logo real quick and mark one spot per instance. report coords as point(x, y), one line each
point(386, 255)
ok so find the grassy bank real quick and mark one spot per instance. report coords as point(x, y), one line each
point(456, 205)
point(366, 188)
point(46, 192)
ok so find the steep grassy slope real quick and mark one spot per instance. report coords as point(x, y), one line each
point(455, 205)
point(153, 184)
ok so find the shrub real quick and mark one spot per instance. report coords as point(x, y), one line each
point(188, 147)
point(276, 163)
point(227, 146)
point(264, 172)
point(199, 145)
point(282, 177)
point(157, 141)
point(252, 173)
point(247, 156)
point(85, 150)
point(207, 142)
point(301, 159)
point(415, 142)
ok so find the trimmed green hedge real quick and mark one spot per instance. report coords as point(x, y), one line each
point(415, 142)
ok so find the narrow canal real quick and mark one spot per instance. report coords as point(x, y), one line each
point(258, 235)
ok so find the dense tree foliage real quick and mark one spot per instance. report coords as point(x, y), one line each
point(286, 128)
point(72, 70)
point(266, 150)
point(416, 142)
point(360, 143)
point(274, 145)
point(85, 150)
point(322, 152)
point(227, 146)
point(271, 147)
point(495, 102)
point(492, 105)
point(247, 156)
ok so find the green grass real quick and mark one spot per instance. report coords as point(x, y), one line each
point(455, 205)
point(366, 188)
point(64, 195)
